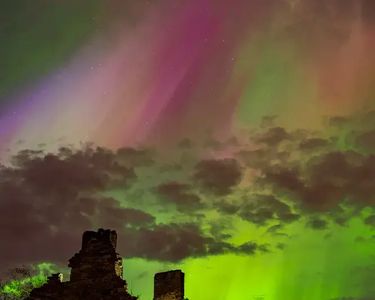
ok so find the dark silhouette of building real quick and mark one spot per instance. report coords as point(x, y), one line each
point(169, 285)
point(97, 274)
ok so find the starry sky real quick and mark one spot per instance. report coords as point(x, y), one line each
point(234, 140)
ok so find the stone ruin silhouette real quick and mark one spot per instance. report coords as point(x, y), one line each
point(97, 274)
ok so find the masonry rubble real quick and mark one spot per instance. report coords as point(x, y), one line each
point(97, 274)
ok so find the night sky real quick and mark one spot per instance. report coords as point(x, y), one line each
point(233, 139)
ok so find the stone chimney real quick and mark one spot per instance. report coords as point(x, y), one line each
point(169, 285)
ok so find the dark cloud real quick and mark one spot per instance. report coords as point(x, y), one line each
point(317, 223)
point(185, 144)
point(273, 136)
point(111, 215)
point(136, 157)
point(313, 144)
point(327, 180)
point(214, 144)
point(260, 209)
point(179, 194)
point(48, 200)
point(338, 121)
point(52, 227)
point(341, 215)
point(366, 140)
point(262, 157)
point(217, 145)
point(174, 242)
point(218, 176)
point(69, 172)
point(227, 207)
point(370, 220)
point(311, 170)
point(221, 229)
point(268, 121)
point(360, 121)
point(280, 246)
point(275, 228)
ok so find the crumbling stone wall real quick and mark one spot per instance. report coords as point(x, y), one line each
point(51, 290)
point(97, 258)
point(96, 272)
point(169, 285)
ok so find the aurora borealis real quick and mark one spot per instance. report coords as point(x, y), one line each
point(232, 139)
